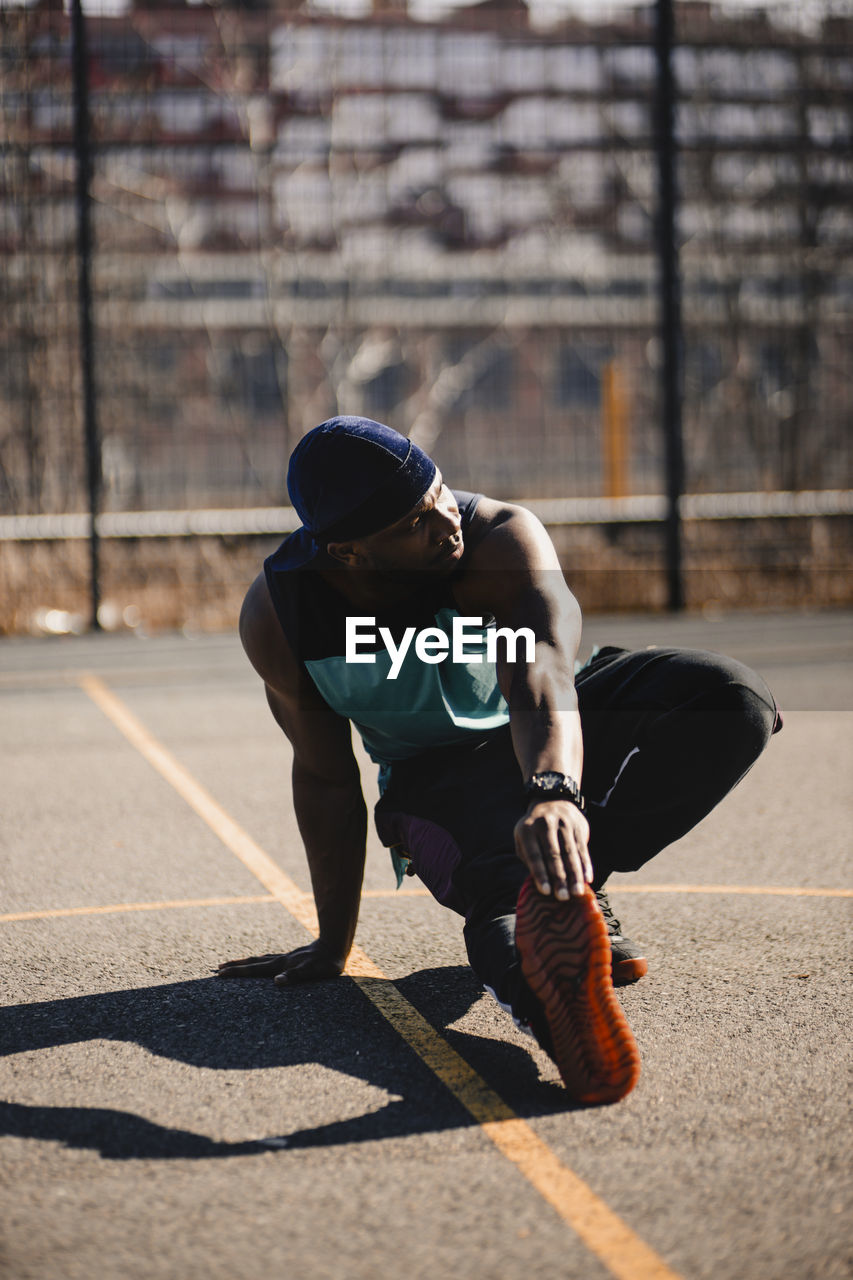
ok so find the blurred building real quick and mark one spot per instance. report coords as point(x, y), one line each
point(447, 226)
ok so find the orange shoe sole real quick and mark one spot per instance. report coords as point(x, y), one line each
point(565, 958)
point(627, 971)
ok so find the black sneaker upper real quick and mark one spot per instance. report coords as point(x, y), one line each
point(622, 948)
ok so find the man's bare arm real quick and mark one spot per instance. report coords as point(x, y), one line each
point(515, 574)
point(327, 798)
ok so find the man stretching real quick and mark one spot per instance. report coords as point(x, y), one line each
point(440, 624)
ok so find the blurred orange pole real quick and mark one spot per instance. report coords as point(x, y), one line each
point(614, 414)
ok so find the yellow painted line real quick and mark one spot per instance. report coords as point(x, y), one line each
point(299, 904)
point(396, 893)
point(753, 890)
point(602, 1231)
point(54, 913)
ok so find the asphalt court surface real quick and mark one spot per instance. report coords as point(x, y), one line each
point(157, 1122)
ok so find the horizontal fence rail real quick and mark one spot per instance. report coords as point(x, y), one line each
point(650, 508)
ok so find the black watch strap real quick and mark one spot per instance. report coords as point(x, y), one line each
point(554, 786)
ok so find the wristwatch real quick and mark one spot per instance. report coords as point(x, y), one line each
point(554, 786)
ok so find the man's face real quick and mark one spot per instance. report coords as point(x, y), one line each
point(427, 539)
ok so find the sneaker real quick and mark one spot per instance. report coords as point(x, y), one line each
point(565, 960)
point(629, 963)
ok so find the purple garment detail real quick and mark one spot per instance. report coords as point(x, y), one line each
point(434, 853)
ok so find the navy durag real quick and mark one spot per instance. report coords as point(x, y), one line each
point(351, 476)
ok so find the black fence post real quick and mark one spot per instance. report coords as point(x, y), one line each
point(671, 335)
point(82, 150)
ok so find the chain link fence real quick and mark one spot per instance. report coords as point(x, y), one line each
point(443, 221)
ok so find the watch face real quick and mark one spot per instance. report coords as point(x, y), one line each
point(550, 784)
point(549, 781)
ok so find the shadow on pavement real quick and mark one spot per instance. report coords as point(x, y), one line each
point(247, 1025)
point(117, 1135)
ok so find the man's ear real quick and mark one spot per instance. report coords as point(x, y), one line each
point(346, 553)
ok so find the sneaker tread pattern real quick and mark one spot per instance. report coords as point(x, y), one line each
point(565, 958)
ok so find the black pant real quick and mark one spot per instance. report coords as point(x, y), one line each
point(667, 734)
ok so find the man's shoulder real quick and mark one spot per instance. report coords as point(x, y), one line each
point(262, 636)
point(497, 526)
point(512, 563)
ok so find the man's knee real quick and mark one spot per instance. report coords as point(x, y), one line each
point(712, 682)
point(743, 693)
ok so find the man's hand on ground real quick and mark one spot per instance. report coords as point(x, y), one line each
point(310, 963)
point(552, 842)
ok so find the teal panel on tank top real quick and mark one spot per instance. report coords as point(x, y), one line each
point(427, 705)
